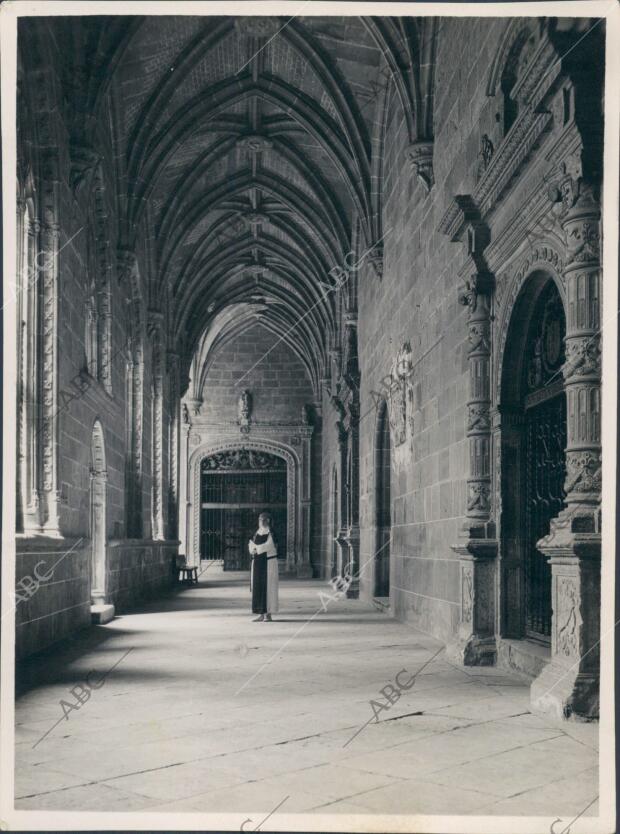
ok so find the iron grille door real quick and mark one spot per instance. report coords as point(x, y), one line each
point(231, 501)
point(545, 456)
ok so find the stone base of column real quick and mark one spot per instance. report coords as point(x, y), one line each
point(304, 571)
point(563, 693)
point(473, 651)
point(101, 613)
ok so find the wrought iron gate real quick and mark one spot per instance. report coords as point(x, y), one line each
point(236, 486)
point(546, 442)
point(545, 456)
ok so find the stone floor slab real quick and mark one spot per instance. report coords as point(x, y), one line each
point(210, 712)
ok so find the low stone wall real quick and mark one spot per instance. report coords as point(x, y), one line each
point(52, 578)
point(139, 570)
point(48, 609)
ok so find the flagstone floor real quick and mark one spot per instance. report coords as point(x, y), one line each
point(200, 709)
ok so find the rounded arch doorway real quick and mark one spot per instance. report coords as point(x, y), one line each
point(533, 409)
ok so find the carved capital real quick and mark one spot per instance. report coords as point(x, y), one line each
point(84, 161)
point(420, 155)
point(126, 263)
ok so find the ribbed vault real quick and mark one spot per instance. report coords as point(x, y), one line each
point(249, 160)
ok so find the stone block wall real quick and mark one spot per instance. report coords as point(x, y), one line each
point(139, 570)
point(258, 360)
point(52, 591)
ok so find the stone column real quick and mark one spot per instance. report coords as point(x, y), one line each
point(155, 332)
point(303, 567)
point(343, 496)
point(32, 521)
point(184, 502)
point(478, 546)
point(353, 531)
point(570, 683)
point(49, 237)
point(173, 450)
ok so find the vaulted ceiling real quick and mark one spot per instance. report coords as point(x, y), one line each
point(249, 152)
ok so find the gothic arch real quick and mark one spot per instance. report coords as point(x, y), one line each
point(294, 519)
point(531, 449)
point(544, 258)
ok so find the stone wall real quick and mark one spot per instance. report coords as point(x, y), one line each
point(260, 361)
point(49, 608)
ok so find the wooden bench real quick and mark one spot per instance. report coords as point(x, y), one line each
point(187, 573)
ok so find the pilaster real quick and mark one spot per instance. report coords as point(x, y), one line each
point(569, 685)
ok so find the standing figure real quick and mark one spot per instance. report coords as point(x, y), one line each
point(264, 570)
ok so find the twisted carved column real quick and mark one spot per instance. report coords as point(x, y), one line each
point(478, 547)
point(569, 684)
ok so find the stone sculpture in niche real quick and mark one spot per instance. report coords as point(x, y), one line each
point(485, 154)
point(399, 376)
point(244, 409)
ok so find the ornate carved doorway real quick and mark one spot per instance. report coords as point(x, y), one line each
point(383, 510)
point(534, 458)
point(235, 486)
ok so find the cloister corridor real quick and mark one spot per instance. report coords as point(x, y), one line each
point(199, 709)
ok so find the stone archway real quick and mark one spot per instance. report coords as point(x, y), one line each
point(532, 406)
point(295, 556)
point(100, 610)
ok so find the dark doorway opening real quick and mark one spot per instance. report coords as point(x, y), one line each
point(383, 455)
point(533, 455)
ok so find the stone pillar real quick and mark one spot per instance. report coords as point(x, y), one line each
point(49, 237)
point(569, 685)
point(173, 448)
point(353, 531)
point(184, 503)
point(155, 332)
point(343, 549)
point(32, 521)
point(303, 567)
point(477, 548)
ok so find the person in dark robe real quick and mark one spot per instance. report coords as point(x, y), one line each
point(264, 570)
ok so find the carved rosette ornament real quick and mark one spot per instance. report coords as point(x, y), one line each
point(258, 27)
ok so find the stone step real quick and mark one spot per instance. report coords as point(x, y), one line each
point(523, 656)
